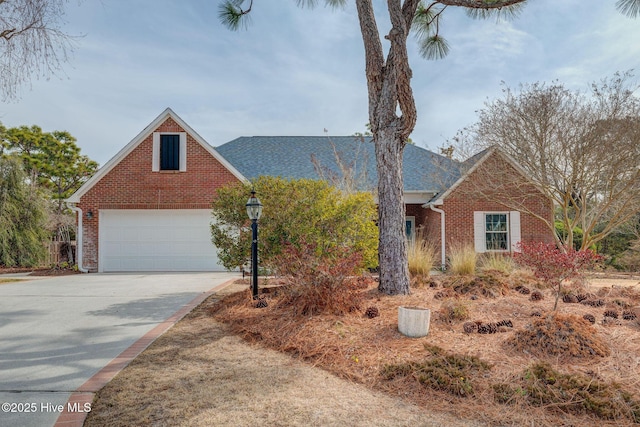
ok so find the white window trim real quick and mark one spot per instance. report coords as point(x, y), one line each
point(513, 230)
point(507, 231)
point(412, 219)
point(155, 161)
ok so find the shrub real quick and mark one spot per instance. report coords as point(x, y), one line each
point(422, 255)
point(561, 232)
point(541, 385)
point(490, 283)
point(294, 210)
point(554, 265)
point(559, 335)
point(462, 259)
point(630, 259)
point(319, 284)
point(454, 311)
point(453, 373)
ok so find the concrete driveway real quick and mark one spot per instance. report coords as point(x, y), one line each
point(57, 332)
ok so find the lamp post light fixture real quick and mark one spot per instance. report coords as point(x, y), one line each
point(254, 210)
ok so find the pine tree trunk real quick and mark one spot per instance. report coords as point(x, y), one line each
point(392, 247)
point(389, 88)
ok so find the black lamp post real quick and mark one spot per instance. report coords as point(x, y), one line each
point(254, 210)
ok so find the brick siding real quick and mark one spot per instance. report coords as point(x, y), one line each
point(476, 194)
point(132, 185)
point(418, 212)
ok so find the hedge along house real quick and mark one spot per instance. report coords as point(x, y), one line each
point(149, 207)
point(487, 201)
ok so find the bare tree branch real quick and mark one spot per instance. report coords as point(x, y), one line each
point(32, 45)
point(580, 150)
point(374, 56)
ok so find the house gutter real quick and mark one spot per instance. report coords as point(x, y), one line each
point(443, 243)
point(76, 209)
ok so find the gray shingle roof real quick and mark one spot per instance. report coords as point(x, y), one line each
point(291, 157)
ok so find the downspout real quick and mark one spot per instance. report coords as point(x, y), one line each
point(76, 209)
point(443, 243)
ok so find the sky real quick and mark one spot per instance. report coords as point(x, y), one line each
point(300, 71)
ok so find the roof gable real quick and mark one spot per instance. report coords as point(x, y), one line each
point(473, 163)
point(301, 156)
point(135, 142)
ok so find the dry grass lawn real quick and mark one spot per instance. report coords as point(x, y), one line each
point(231, 364)
point(200, 374)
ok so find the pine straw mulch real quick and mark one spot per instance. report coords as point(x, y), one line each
point(522, 337)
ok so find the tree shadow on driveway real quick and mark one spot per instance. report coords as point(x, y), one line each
point(155, 309)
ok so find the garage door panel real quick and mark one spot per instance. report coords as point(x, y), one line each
point(156, 240)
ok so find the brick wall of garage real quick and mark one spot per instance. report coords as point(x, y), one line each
point(131, 184)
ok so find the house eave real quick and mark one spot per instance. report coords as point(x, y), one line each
point(437, 202)
point(417, 197)
point(413, 197)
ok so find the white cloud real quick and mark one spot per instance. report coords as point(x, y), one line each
point(300, 71)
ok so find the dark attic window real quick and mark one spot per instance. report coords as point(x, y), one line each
point(169, 152)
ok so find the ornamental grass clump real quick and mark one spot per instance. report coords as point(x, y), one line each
point(421, 254)
point(462, 259)
point(497, 261)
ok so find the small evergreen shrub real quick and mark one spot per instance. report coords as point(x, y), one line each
point(541, 385)
point(453, 373)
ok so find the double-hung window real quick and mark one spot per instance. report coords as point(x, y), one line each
point(496, 231)
point(169, 151)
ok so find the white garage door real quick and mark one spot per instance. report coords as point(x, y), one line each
point(156, 240)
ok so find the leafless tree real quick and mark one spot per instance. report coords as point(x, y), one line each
point(32, 44)
point(351, 172)
point(580, 149)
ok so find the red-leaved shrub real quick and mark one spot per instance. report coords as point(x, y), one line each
point(554, 265)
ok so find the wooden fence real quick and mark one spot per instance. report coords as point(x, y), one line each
point(57, 253)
